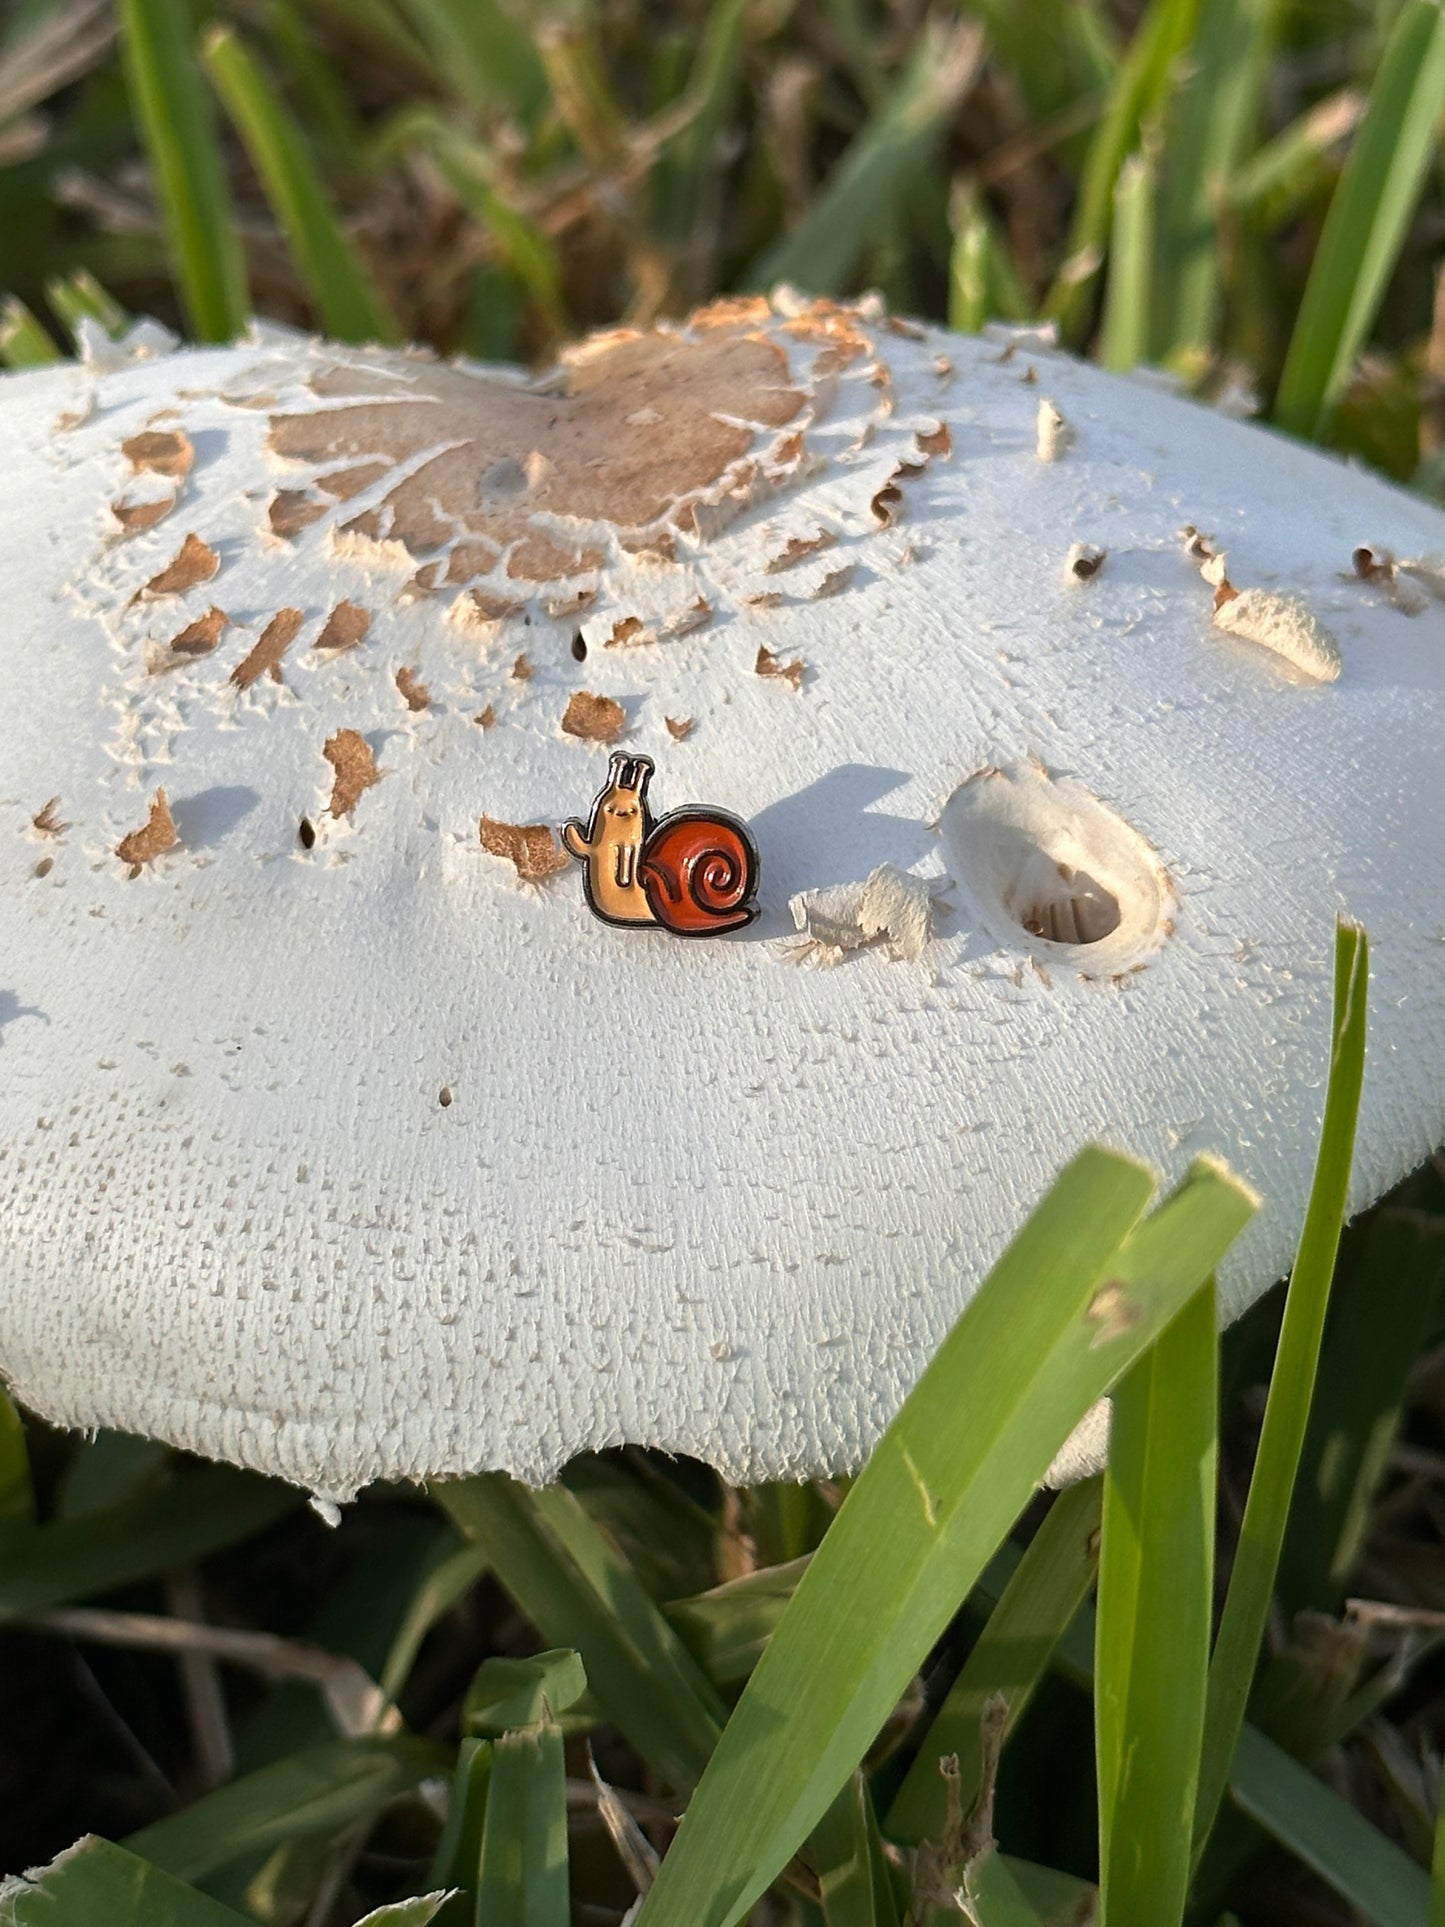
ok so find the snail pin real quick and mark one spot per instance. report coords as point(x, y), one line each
point(694, 872)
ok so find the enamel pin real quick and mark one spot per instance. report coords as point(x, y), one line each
point(694, 872)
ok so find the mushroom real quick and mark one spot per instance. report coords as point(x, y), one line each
point(338, 1140)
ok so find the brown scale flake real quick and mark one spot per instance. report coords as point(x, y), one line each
point(153, 839)
point(768, 664)
point(679, 727)
point(163, 451)
point(265, 658)
point(346, 627)
point(935, 441)
point(486, 717)
point(415, 694)
point(135, 517)
point(835, 582)
point(571, 604)
point(886, 504)
point(482, 608)
point(200, 637)
point(732, 311)
point(696, 616)
point(292, 510)
point(798, 548)
point(193, 562)
point(596, 719)
point(46, 820)
point(766, 599)
point(349, 755)
point(910, 330)
point(532, 848)
point(584, 447)
point(627, 631)
point(522, 670)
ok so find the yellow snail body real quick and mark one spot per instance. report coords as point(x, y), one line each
point(694, 872)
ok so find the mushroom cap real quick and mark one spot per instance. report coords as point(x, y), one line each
point(338, 1139)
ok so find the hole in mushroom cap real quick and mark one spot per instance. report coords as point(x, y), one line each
point(1048, 864)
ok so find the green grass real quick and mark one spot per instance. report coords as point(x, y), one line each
point(868, 1696)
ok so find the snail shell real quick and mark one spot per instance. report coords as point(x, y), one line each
point(699, 869)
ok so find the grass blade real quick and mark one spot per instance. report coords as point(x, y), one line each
point(983, 284)
point(186, 1514)
point(1156, 1574)
point(580, 1593)
point(1291, 1387)
point(1139, 88)
point(1379, 1324)
point(459, 1851)
point(349, 304)
point(847, 1854)
point(1041, 1340)
point(79, 296)
point(17, 1489)
point(173, 112)
point(95, 1881)
point(1050, 1583)
point(995, 1898)
point(727, 1629)
point(1129, 296)
point(1214, 115)
point(1327, 1836)
point(864, 190)
point(320, 1790)
point(23, 342)
point(1367, 220)
point(486, 56)
point(522, 1880)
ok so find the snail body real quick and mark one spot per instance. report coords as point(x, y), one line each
point(693, 872)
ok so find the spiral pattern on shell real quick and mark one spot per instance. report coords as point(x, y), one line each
point(699, 871)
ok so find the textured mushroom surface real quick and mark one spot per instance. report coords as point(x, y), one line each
point(337, 1138)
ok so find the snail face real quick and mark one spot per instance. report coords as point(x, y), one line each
point(623, 807)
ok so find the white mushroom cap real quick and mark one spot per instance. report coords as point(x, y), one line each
point(344, 1151)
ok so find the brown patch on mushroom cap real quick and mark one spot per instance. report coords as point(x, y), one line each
point(531, 847)
point(523, 460)
point(596, 719)
point(193, 562)
point(164, 451)
point(349, 754)
point(935, 441)
point(342, 483)
point(835, 581)
point(346, 626)
point(47, 821)
point(768, 664)
point(678, 727)
point(292, 510)
point(265, 658)
point(486, 717)
point(155, 836)
point(200, 637)
point(798, 548)
point(135, 518)
point(415, 694)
